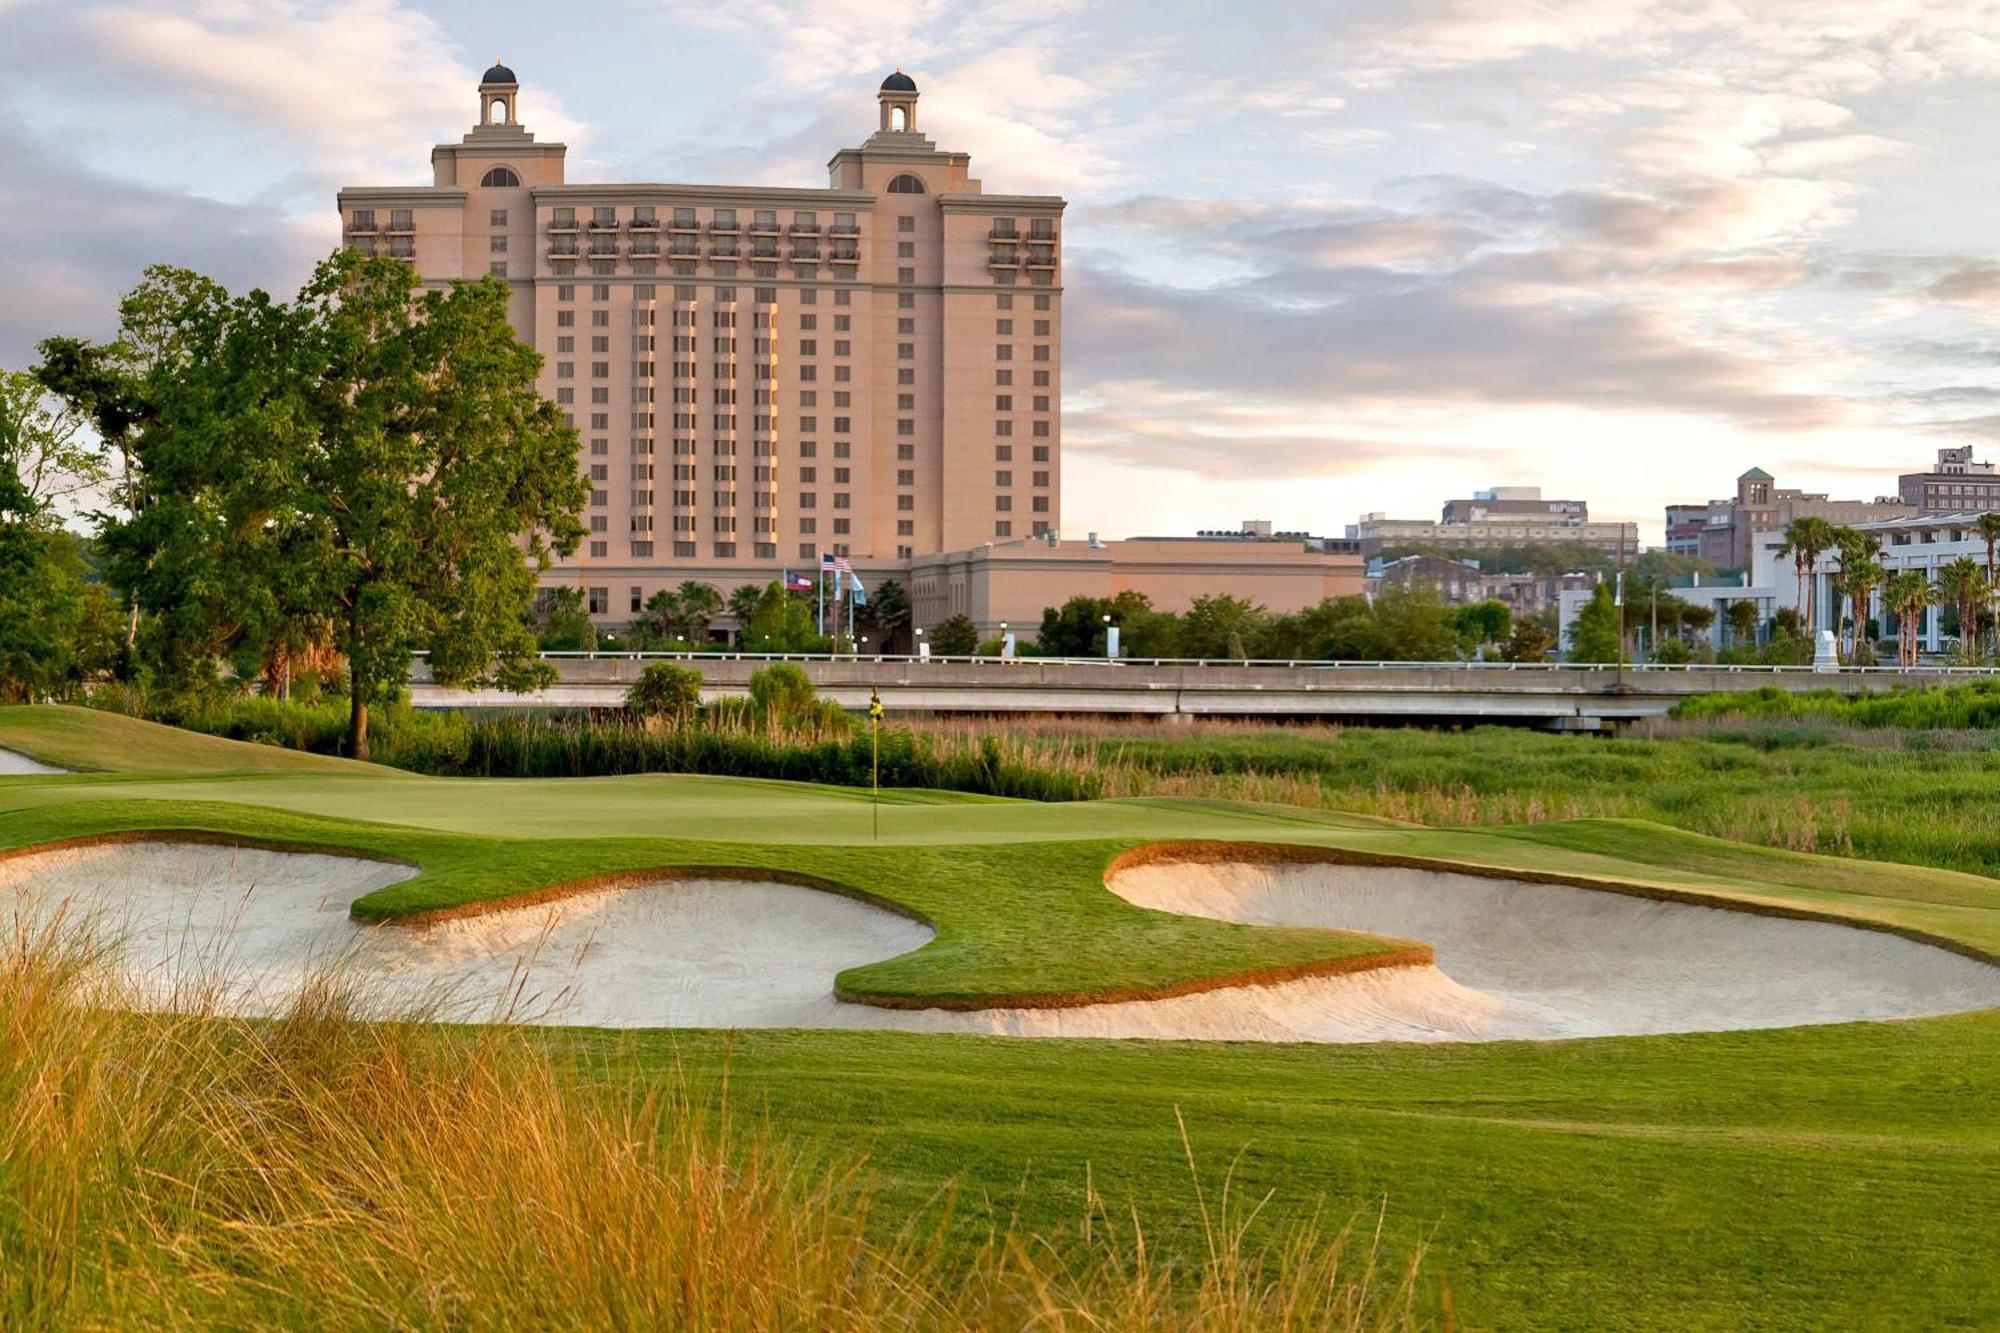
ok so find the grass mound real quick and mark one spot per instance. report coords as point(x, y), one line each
point(91, 740)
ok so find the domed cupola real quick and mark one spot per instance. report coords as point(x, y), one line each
point(899, 104)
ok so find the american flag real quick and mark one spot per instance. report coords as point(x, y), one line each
point(838, 563)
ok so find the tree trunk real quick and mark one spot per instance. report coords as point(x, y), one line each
point(357, 708)
point(357, 721)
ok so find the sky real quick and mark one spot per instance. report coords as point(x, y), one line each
point(1321, 258)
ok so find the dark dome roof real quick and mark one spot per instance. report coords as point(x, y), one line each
point(498, 74)
point(899, 82)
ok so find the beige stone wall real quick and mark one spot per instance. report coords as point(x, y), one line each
point(1012, 584)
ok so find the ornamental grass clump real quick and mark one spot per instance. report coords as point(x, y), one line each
point(172, 1169)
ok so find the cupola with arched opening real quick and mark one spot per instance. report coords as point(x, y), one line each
point(498, 89)
point(899, 104)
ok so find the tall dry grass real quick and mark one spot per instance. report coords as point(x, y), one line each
point(174, 1169)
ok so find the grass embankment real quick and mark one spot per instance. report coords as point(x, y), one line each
point(1919, 797)
point(1872, 778)
point(172, 1170)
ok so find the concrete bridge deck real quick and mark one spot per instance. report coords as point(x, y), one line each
point(1550, 695)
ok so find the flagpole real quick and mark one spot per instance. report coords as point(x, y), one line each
point(875, 757)
point(819, 618)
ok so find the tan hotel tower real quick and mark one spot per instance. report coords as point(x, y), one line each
point(760, 375)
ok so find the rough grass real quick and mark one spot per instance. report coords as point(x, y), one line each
point(171, 1170)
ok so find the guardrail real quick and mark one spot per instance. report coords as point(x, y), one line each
point(1293, 663)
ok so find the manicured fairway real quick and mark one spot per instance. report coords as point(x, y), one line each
point(1842, 1177)
point(1833, 1176)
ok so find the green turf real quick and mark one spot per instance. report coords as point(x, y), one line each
point(1817, 1177)
point(1836, 1177)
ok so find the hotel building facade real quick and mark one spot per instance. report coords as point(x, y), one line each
point(760, 376)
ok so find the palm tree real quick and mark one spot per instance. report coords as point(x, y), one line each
point(1907, 594)
point(1964, 585)
point(699, 604)
point(1861, 573)
point(743, 605)
point(1806, 540)
point(1988, 526)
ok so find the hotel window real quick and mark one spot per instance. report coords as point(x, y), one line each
point(1041, 302)
point(1004, 327)
point(906, 476)
point(1041, 351)
point(364, 219)
point(906, 351)
point(1003, 478)
point(906, 275)
point(1041, 402)
point(565, 319)
point(1041, 429)
point(906, 426)
point(1003, 528)
point(840, 500)
point(1003, 352)
point(840, 475)
point(600, 291)
point(400, 220)
point(906, 453)
point(498, 268)
point(1041, 504)
point(906, 376)
point(906, 503)
point(1041, 479)
point(1004, 301)
point(906, 249)
point(1003, 453)
point(1041, 328)
point(1003, 503)
point(565, 370)
point(600, 319)
point(1003, 428)
point(1003, 402)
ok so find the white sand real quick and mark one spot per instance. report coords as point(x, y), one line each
point(1556, 961)
point(1515, 959)
point(15, 765)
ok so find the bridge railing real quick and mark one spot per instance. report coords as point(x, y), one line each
point(1293, 663)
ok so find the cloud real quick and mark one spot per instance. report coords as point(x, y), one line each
point(77, 240)
point(396, 82)
point(1427, 344)
point(1974, 284)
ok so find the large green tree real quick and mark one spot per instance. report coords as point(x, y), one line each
point(370, 455)
point(1594, 635)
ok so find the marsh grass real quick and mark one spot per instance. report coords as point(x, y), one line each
point(173, 1169)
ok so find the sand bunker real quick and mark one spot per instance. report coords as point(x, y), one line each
point(1549, 960)
point(244, 928)
point(14, 765)
point(247, 927)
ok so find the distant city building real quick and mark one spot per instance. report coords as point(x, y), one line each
point(1684, 525)
point(1956, 484)
point(1463, 581)
point(1760, 505)
point(1507, 503)
point(1502, 516)
point(1010, 583)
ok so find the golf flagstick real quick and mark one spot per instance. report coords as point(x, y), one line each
point(875, 757)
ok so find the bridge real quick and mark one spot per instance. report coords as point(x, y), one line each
point(1555, 696)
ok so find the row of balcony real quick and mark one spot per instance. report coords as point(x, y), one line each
point(390, 229)
point(569, 249)
point(568, 226)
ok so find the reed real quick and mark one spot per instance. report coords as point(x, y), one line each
point(170, 1169)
